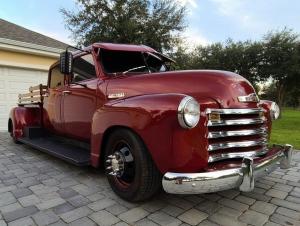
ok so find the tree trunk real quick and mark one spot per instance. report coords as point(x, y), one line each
point(280, 95)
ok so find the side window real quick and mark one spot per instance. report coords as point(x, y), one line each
point(83, 68)
point(56, 78)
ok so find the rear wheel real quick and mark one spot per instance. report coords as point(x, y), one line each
point(11, 132)
point(129, 167)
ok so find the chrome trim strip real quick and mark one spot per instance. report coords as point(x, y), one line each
point(286, 162)
point(236, 133)
point(238, 144)
point(252, 97)
point(234, 155)
point(236, 122)
point(248, 175)
point(242, 177)
point(235, 111)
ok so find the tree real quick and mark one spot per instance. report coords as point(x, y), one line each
point(156, 23)
point(183, 57)
point(239, 57)
point(276, 58)
point(269, 92)
point(293, 97)
point(281, 62)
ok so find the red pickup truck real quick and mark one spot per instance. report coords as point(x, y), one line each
point(121, 107)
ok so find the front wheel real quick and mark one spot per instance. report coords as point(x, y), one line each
point(129, 167)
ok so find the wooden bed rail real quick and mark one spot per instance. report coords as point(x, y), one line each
point(35, 95)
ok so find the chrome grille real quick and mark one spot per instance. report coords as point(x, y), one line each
point(236, 133)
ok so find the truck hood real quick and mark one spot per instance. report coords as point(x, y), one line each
point(222, 86)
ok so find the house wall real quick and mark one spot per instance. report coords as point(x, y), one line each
point(25, 60)
point(19, 71)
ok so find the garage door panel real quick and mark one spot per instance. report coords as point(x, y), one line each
point(28, 80)
point(3, 109)
point(13, 97)
point(20, 71)
point(12, 82)
point(21, 86)
point(2, 84)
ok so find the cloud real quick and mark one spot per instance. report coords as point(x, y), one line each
point(188, 3)
point(240, 14)
point(228, 7)
point(193, 38)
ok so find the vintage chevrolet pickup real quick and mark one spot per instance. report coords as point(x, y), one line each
point(121, 107)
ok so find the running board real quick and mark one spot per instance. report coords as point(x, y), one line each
point(64, 150)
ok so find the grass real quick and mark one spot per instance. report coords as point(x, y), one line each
point(287, 129)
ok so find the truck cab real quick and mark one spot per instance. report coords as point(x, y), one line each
point(121, 107)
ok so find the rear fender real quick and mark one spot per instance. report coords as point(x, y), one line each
point(22, 117)
point(153, 117)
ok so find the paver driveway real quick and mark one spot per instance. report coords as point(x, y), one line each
point(37, 189)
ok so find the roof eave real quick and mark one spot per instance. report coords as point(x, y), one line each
point(24, 47)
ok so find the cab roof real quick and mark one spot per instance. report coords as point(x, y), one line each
point(124, 47)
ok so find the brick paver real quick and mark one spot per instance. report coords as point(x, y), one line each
point(38, 189)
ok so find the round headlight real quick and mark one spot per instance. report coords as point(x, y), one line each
point(274, 111)
point(188, 112)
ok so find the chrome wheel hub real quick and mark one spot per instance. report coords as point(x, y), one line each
point(116, 163)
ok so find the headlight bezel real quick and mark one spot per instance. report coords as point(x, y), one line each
point(274, 111)
point(181, 113)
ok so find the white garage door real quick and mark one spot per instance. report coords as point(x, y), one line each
point(12, 82)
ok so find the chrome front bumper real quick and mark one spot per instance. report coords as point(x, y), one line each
point(242, 177)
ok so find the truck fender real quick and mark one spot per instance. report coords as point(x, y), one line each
point(153, 117)
point(21, 117)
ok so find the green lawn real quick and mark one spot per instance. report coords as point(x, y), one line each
point(287, 129)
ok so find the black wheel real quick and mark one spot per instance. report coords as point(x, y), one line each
point(10, 130)
point(129, 167)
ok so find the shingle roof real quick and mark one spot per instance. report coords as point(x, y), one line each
point(15, 32)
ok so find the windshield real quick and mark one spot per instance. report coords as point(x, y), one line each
point(124, 62)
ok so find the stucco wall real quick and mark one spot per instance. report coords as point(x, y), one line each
point(25, 60)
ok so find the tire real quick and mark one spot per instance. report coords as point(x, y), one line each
point(140, 179)
point(10, 130)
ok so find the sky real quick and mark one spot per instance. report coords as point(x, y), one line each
point(208, 20)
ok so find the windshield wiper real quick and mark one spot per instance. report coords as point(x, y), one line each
point(133, 69)
point(77, 83)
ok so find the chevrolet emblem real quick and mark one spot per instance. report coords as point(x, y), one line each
point(116, 95)
point(252, 97)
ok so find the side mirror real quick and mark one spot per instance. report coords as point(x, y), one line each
point(66, 62)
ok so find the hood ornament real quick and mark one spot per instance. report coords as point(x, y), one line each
point(252, 97)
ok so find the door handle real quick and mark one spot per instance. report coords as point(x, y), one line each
point(66, 92)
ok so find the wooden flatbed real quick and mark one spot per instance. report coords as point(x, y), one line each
point(35, 96)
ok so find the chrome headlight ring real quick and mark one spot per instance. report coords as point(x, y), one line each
point(188, 112)
point(274, 111)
